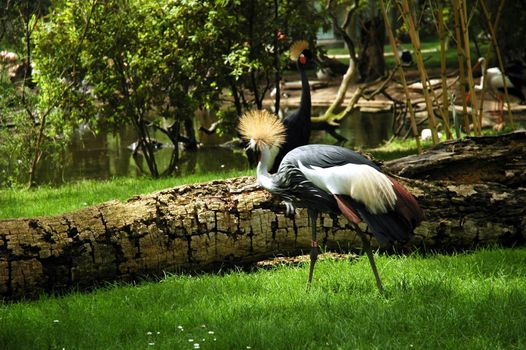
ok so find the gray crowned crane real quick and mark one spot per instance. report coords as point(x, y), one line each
point(326, 178)
point(298, 124)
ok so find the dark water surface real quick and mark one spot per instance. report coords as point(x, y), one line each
point(107, 155)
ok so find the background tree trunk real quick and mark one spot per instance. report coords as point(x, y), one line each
point(371, 63)
point(204, 226)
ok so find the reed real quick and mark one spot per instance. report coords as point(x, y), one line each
point(443, 36)
point(407, 16)
point(494, 44)
point(402, 76)
point(461, 8)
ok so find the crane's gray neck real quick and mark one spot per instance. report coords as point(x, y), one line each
point(263, 177)
point(305, 102)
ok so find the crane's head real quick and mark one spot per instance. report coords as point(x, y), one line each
point(261, 129)
point(481, 64)
point(299, 51)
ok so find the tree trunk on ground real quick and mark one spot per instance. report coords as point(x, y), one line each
point(204, 226)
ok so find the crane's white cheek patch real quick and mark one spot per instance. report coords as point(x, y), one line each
point(360, 181)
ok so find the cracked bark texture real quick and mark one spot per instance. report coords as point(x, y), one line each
point(204, 226)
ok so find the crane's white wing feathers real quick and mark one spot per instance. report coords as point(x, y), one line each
point(360, 181)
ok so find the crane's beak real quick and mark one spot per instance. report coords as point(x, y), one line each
point(251, 145)
point(477, 65)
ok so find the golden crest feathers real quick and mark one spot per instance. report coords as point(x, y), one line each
point(262, 127)
point(297, 48)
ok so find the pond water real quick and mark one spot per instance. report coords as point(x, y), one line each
point(107, 155)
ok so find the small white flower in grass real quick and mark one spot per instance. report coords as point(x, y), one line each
point(249, 347)
point(180, 328)
point(148, 333)
point(210, 332)
point(190, 340)
point(158, 333)
point(203, 326)
point(196, 346)
point(56, 321)
point(151, 344)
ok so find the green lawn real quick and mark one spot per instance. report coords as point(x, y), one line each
point(430, 53)
point(432, 45)
point(47, 201)
point(465, 301)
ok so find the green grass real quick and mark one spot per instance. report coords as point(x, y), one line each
point(387, 48)
point(464, 301)
point(430, 54)
point(48, 201)
point(397, 148)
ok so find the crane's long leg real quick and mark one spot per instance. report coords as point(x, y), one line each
point(369, 252)
point(313, 215)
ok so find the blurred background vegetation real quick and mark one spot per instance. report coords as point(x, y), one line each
point(155, 66)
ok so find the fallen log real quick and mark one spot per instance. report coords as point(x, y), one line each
point(207, 225)
point(500, 159)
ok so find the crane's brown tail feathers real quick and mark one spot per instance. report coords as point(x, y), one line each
point(347, 209)
point(406, 205)
point(262, 127)
point(395, 225)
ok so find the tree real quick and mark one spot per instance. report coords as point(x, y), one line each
point(152, 64)
point(365, 58)
point(20, 122)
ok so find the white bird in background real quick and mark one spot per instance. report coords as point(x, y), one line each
point(494, 79)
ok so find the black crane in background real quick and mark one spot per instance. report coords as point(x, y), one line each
point(298, 124)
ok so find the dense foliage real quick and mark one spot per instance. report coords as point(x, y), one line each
point(152, 64)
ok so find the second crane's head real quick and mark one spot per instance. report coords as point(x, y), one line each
point(264, 132)
point(299, 52)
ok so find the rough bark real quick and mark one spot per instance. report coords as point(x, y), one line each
point(473, 160)
point(208, 225)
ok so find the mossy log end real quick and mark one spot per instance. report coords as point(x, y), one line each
point(202, 226)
